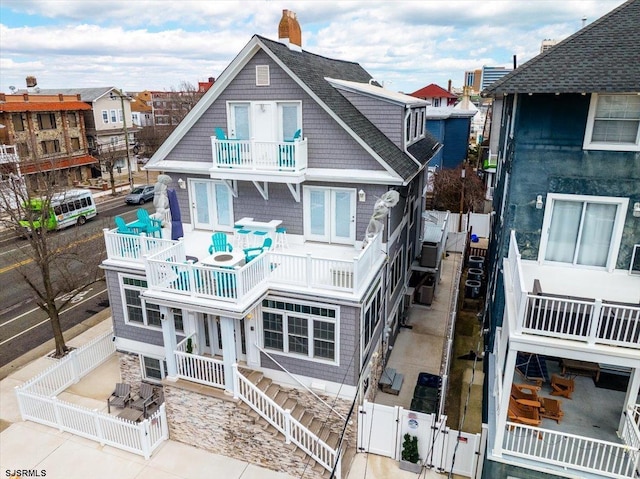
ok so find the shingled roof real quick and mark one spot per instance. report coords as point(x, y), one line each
point(601, 57)
point(86, 94)
point(311, 69)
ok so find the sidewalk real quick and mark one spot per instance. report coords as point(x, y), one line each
point(25, 445)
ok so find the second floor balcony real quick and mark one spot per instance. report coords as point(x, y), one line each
point(587, 306)
point(172, 267)
point(239, 158)
point(8, 154)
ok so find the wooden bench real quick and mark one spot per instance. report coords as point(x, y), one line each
point(580, 368)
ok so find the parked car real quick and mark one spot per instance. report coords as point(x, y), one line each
point(139, 195)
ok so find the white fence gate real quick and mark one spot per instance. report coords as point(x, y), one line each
point(381, 430)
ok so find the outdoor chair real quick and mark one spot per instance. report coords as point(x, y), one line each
point(229, 154)
point(562, 386)
point(120, 397)
point(219, 243)
point(525, 392)
point(551, 408)
point(151, 226)
point(122, 226)
point(286, 155)
point(252, 253)
point(519, 413)
point(145, 398)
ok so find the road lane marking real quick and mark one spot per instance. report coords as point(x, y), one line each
point(48, 319)
point(29, 260)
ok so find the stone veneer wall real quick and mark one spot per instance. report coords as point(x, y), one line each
point(216, 423)
point(130, 370)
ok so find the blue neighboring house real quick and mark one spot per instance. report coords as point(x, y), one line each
point(563, 298)
point(452, 128)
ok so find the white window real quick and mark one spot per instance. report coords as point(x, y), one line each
point(372, 314)
point(613, 123)
point(153, 369)
point(105, 116)
point(120, 116)
point(113, 116)
point(134, 313)
point(262, 75)
point(300, 329)
point(395, 277)
point(582, 230)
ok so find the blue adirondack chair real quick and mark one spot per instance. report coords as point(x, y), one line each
point(219, 243)
point(287, 156)
point(151, 226)
point(229, 153)
point(252, 253)
point(122, 226)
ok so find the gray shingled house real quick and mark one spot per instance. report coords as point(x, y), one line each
point(564, 302)
point(295, 149)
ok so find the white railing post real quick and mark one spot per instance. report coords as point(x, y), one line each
point(96, 420)
point(56, 413)
point(163, 422)
point(236, 381)
point(75, 366)
point(287, 426)
point(595, 321)
point(237, 274)
point(144, 438)
point(20, 399)
point(309, 272)
point(356, 276)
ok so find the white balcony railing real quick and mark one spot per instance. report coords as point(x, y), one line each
point(134, 248)
point(287, 156)
point(8, 154)
point(593, 321)
point(167, 269)
point(569, 451)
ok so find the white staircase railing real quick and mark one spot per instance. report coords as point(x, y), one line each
point(281, 419)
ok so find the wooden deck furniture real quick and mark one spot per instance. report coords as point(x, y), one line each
point(523, 413)
point(120, 397)
point(551, 408)
point(525, 392)
point(561, 386)
point(580, 368)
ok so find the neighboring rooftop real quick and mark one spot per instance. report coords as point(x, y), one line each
point(433, 91)
point(601, 57)
point(86, 94)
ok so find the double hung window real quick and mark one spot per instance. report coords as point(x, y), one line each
point(613, 123)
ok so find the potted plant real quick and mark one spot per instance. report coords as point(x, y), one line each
point(189, 347)
point(410, 460)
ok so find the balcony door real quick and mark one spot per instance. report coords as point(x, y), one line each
point(211, 205)
point(330, 214)
point(264, 120)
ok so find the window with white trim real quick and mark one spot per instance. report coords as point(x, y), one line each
point(582, 230)
point(613, 122)
point(105, 116)
point(114, 118)
point(149, 316)
point(371, 316)
point(300, 329)
point(396, 274)
point(153, 369)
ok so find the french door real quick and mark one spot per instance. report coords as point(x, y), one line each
point(213, 337)
point(330, 214)
point(211, 205)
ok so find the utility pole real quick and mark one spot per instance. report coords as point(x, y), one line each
point(126, 134)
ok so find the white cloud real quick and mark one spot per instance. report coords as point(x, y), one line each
point(157, 44)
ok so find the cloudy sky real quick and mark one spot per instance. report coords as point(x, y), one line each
point(158, 44)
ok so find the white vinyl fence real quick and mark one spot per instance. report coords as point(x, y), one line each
point(38, 403)
point(381, 430)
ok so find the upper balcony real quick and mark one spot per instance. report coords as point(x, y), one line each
point(275, 161)
point(8, 154)
point(342, 271)
point(585, 306)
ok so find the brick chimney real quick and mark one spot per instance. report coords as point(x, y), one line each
point(289, 31)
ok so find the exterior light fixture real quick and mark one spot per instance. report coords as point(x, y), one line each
point(362, 196)
point(539, 203)
point(636, 210)
point(181, 183)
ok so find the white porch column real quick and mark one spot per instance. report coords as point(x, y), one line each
point(503, 407)
point(631, 399)
point(253, 356)
point(227, 328)
point(169, 340)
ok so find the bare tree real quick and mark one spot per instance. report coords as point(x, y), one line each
point(107, 157)
point(54, 266)
point(454, 192)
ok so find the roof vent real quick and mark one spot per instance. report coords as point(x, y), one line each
point(289, 31)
